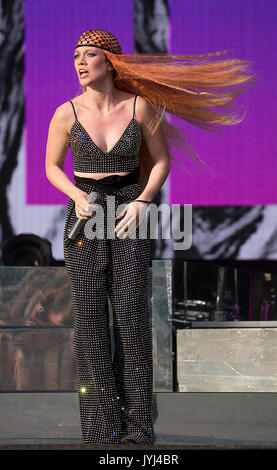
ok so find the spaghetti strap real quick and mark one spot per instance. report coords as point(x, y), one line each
point(74, 110)
point(134, 106)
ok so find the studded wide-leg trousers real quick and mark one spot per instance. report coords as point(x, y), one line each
point(115, 393)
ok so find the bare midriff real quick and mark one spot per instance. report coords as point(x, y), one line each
point(98, 176)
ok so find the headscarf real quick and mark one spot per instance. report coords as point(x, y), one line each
point(100, 38)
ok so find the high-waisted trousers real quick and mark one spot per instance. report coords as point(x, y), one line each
point(115, 391)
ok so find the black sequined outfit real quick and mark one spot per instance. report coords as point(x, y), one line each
point(88, 157)
point(115, 393)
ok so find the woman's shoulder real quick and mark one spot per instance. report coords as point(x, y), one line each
point(144, 110)
point(64, 112)
point(66, 107)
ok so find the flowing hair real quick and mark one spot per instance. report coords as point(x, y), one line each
point(187, 86)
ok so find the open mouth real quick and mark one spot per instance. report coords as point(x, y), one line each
point(83, 74)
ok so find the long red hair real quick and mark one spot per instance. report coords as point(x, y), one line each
point(187, 86)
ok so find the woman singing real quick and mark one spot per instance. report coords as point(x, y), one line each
point(119, 143)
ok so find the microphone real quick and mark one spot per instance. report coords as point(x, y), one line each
point(78, 224)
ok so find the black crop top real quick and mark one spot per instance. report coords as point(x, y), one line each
point(89, 158)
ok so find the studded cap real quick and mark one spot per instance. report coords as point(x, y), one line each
point(100, 38)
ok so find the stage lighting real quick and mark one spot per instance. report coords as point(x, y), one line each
point(27, 249)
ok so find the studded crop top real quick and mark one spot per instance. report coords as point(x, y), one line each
point(89, 158)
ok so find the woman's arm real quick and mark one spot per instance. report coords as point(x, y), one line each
point(157, 151)
point(56, 149)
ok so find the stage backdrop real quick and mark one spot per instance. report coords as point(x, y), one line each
point(242, 158)
point(234, 204)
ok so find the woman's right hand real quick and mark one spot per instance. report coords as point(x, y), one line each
point(82, 206)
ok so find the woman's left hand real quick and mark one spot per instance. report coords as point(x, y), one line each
point(133, 213)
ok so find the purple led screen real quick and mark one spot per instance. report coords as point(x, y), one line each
point(242, 159)
point(52, 29)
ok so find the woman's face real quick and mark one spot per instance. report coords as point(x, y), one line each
point(93, 61)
